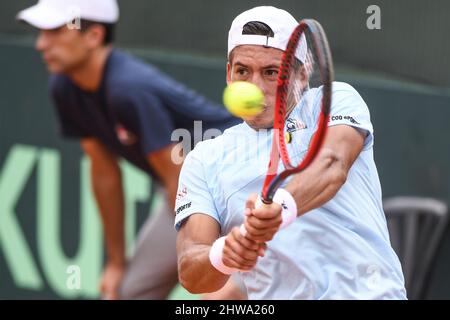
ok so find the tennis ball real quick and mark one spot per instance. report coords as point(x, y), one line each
point(243, 99)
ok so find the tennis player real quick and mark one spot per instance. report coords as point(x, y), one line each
point(119, 107)
point(338, 245)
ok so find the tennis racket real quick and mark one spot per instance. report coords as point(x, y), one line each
point(318, 67)
point(304, 85)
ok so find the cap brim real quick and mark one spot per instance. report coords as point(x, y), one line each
point(42, 17)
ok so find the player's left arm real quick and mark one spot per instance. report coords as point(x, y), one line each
point(314, 186)
point(320, 182)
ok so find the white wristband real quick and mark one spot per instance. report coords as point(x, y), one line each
point(288, 205)
point(216, 257)
point(288, 208)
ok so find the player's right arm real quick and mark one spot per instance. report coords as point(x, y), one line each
point(106, 182)
point(194, 241)
point(197, 221)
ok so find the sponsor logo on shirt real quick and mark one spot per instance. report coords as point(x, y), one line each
point(293, 125)
point(349, 118)
point(125, 137)
point(182, 192)
point(183, 207)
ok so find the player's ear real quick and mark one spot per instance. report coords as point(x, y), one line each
point(304, 76)
point(228, 73)
point(95, 35)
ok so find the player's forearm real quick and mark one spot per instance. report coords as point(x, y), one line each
point(107, 186)
point(319, 183)
point(195, 272)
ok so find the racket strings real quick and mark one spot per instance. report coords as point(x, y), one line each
point(302, 78)
point(304, 93)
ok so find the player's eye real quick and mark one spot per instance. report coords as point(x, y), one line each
point(241, 73)
point(271, 73)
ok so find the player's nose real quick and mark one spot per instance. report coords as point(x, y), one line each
point(42, 41)
point(258, 81)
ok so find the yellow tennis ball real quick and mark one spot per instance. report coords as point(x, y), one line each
point(243, 99)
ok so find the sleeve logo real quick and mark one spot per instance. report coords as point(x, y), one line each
point(182, 192)
point(349, 118)
point(183, 207)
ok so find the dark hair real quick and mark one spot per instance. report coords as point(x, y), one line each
point(261, 29)
point(255, 28)
point(109, 29)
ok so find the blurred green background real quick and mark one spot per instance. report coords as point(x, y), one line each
point(47, 216)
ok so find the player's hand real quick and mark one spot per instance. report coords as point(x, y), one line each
point(261, 224)
point(241, 253)
point(111, 279)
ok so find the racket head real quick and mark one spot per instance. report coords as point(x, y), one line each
point(306, 67)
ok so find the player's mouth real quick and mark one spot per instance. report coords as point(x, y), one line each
point(265, 108)
point(47, 58)
point(261, 120)
point(259, 115)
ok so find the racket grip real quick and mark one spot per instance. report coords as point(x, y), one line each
point(288, 208)
point(216, 257)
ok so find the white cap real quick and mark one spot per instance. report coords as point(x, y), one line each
point(51, 14)
point(280, 21)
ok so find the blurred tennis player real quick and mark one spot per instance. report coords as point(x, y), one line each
point(340, 249)
point(120, 107)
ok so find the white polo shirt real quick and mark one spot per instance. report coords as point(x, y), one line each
point(338, 251)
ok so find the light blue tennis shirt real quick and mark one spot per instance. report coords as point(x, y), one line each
point(338, 251)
